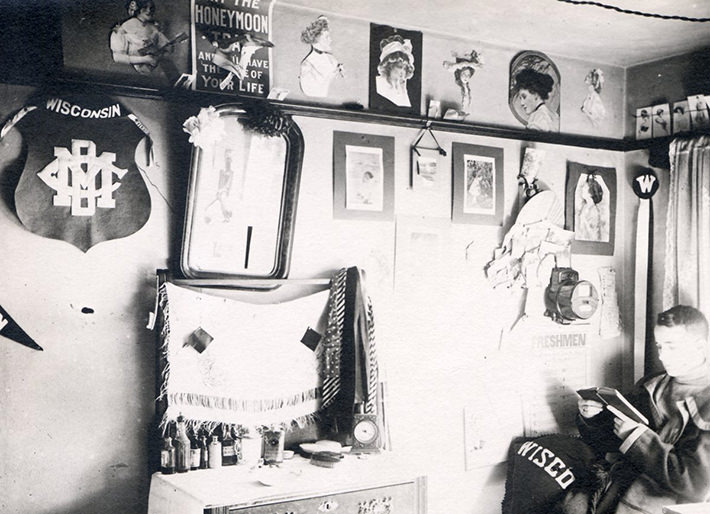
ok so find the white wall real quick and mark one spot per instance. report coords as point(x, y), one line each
point(75, 420)
point(489, 84)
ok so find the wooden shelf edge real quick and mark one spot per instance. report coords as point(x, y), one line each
point(73, 85)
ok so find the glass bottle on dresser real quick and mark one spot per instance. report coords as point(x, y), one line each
point(182, 447)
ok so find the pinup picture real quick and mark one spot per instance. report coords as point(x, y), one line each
point(463, 67)
point(593, 106)
point(320, 67)
point(364, 188)
point(135, 42)
point(395, 69)
point(479, 195)
point(591, 211)
point(534, 92)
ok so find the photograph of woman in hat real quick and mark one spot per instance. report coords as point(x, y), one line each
point(395, 63)
point(463, 67)
point(534, 91)
point(320, 67)
point(396, 67)
point(593, 106)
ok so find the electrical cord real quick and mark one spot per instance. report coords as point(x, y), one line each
point(636, 13)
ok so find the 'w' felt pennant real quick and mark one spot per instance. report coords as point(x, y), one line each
point(11, 330)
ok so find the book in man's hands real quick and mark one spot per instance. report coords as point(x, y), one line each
point(610, 396)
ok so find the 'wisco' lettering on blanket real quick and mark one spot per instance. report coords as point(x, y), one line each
point(549, 462)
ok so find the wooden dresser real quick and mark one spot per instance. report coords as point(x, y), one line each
point(375, 484)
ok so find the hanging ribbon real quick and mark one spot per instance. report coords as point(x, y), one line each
point(645, 185)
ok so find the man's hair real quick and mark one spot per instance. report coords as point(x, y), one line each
point(691, 318)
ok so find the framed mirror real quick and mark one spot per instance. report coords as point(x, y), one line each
point(242, 196)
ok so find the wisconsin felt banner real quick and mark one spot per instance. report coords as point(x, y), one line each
point(80, 181)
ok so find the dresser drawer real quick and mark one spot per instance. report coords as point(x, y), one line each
point(393, 499)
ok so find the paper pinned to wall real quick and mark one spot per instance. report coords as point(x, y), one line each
point(553, 364)
point(493, 416)
point(610, 322)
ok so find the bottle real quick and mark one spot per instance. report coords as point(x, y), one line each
point(194, 452)
point(204, 453)
point(273, 446)
point(229, 450)
point(167, 456)
point(182, 447)
point(215, 453)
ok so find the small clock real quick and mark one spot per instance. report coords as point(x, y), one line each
point(366, 434)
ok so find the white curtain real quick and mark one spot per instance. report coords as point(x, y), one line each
point(687, 260)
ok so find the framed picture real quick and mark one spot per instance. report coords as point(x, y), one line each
point(425, 169)
point(590, 208)
point(363, 176)
point(99, 41)
point(534, 91)
point(395, 69)
point(477, 184)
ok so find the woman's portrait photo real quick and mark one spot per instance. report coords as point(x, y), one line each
point(395, 69)
point(463, 67)
point(591, 209)
point(534, 92)
point(593, 106)
point(320, 67)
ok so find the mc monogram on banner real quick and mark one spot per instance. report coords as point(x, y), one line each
point(80, 181)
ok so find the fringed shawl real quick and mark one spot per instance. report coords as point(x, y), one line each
point(254, 372)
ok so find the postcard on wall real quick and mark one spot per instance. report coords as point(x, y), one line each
point(395, 69)
point(661, 120)
point(127, 43)
point(699, 116)
point(681, 117)
point(477, 184)
point(232, 47)
point(364, 178)
point(643, 123)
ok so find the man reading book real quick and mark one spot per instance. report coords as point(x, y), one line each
point(666, 461)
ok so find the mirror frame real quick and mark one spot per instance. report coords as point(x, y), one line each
point(287, 214)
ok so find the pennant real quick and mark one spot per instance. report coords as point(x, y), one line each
point(11, 330)
point(80, 181)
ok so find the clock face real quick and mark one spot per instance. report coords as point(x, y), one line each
point(365, 431)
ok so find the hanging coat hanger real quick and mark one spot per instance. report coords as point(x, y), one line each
point(416, 150)
point(427, 130)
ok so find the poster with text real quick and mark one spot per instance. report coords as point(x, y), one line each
point(231, 49)
point(395, 69)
